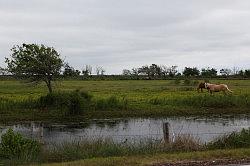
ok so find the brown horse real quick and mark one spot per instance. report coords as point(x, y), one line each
point(217, 88)
point(201, 86)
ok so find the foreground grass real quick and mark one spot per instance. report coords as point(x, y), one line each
point(161, 158)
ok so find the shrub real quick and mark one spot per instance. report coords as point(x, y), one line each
point(74, 102)
point(232, 140)
point(15, 146)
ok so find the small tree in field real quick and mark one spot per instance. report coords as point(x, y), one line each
point(35, 63)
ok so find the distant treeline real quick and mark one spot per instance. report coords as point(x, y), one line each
point(156, 71)
point(146, 72)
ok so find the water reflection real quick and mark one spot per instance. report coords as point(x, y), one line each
point(133, 130)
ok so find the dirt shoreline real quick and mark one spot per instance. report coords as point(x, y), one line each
point(218, 162)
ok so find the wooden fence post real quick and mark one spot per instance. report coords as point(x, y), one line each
point(41, 133)
point(166, 132)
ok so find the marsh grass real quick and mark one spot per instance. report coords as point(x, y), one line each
point(7, 104)
point(88, 149)
point(233, 140)
point(111, 103)
point(105, 148)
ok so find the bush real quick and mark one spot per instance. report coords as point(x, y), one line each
point(74, 102)
point(15, 146)
point(234, 140)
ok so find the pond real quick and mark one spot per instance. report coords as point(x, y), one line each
point(132, 129)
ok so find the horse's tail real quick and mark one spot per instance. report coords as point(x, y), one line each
point(199, 87)
point(229, 89)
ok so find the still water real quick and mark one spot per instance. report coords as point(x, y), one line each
point(132, 129)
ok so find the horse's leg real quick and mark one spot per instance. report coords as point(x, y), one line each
point(211, 91)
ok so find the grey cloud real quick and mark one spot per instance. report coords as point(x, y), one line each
point(119, 34)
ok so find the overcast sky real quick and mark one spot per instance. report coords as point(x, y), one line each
point(119, 34)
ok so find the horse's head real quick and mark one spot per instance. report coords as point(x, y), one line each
point(206, 85)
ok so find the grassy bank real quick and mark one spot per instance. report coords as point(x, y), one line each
point(126, 98)
point(139, 160)
point(16, 150)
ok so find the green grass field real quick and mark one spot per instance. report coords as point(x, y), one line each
point(143, 97)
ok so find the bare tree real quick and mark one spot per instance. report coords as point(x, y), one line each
point(87, 70)
point(100, 70)
point(235, 70)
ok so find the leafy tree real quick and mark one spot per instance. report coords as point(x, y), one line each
point(3, 71)
point(35, 63)
point(247, 73)
point(208, 72)
point(135, 71)
point(240, 73)
point(164, 70)
point(144, 70)
point(126, 72)
point(168, 71)
point(70, 71)
point(172, 71)
point(225, 72)
point(188, 71)
point(151, 71)
point(154, 70)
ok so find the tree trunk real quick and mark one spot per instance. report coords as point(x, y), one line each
point(48, 83)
